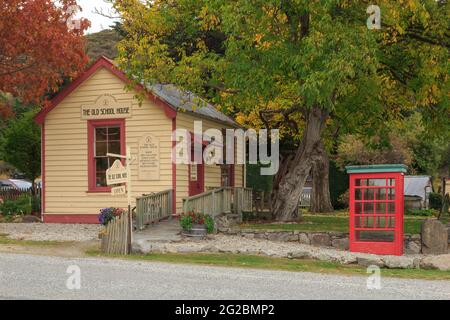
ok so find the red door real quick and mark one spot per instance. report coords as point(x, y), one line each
point(376, 213)
point(196, 179)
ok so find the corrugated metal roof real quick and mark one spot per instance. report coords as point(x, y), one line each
point(189, 102)
point(415, 185)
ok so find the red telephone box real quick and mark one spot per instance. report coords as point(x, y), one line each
point(376, 208)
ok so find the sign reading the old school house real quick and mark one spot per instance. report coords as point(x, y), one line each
point(106, 107)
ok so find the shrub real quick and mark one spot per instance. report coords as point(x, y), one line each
point(21, 206)
point(422, 212)
point(108, 214)
point(435, 201)
point(192, 217)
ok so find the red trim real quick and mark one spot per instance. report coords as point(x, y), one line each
point(92, 124)
point(174, 170)
point(71, 218)
point(43, 171)
point(102, 62)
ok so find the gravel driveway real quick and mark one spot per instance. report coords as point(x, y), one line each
point(50, 232)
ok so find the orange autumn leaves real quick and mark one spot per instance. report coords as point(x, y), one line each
point(38, 51)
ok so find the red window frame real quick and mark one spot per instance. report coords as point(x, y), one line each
point(92, 124)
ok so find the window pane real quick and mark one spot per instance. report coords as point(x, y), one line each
point(377, 182)
point(358, 208)
point(391, 195)
point(113, 134)
point(381, 207)
point(391, 208)
point(391, 182)
point(369, 194)
point(100, 134)
point(360, 182)
point(368, 208)
point(380, 194)
point(101, 165)
point(358, 194)
point(114, 147)
point(100, 149)
point(101, 179)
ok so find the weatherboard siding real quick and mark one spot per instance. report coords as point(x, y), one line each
point(66, 148)
point(212, 172)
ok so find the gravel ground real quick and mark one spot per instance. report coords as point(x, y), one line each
point(40, 277)
point(50, 232)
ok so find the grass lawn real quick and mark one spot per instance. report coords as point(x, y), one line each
point(5, 240)
point(328, 223)
point(261, 262)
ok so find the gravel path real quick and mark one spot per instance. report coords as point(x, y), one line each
point(50, 232)
point(40, 277)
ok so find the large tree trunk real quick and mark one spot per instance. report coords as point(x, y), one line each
point(287, 192)
point(320, 197)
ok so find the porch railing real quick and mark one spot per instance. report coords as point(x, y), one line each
point(221, 200)
point(153, 208)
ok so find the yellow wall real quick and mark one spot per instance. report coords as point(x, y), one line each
point(212, 172)
point(66, 150)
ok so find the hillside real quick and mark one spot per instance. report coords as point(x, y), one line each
point(102, 43)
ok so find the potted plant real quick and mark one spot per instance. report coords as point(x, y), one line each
point(196, 224)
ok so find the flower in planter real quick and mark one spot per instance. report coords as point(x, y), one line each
point(108, 214)
point(187, 220)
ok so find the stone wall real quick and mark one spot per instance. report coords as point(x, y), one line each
point(337, 240)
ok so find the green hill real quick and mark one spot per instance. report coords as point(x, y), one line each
point(102, 43)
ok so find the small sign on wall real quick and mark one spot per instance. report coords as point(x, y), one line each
point(106, 107)
point(149, 157)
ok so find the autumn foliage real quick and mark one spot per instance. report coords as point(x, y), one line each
point(38, 49)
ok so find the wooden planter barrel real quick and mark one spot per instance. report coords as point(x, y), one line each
point(198, 231)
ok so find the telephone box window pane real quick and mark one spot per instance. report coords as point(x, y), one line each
point(358, 194)
point(391, 182)
point(391, 194)
point(358, 208)
point(368, 208)
point(377, 182)
point(380, 194)
point(361, 182)
point(391, 208)
point(369, 194)
point(381, 207)
point(375, 235)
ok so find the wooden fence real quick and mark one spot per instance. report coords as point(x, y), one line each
point(116, 239)
point(153, 208)
point(9, 193)
point(221, 200)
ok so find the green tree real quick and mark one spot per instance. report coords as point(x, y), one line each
point(20, 145)
point(313, 64)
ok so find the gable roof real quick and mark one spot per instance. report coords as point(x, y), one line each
point(417, 186)
point(167, 97)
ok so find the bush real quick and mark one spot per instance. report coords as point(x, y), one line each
point(422, 212)
point(191, 218)
point(21, 206)
point(108, 214)
point(435, 201)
